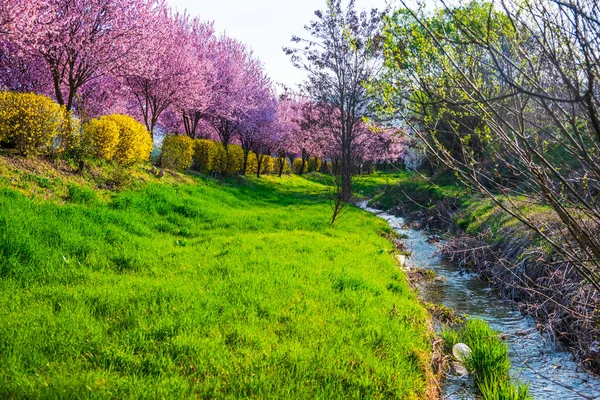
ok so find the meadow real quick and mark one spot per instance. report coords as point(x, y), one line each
point(201, 288)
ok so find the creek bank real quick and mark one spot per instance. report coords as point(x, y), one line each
point(522, 271)
point(535, 358)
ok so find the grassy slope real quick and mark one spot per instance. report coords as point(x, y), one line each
point(474, 213)
point(202, 289)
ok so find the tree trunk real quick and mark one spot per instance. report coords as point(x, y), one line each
point(346, 192)
point(259, 160)
point(281, 162)
point(245, 166)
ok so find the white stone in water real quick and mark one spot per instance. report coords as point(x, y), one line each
point(460, 369)
point(461, 352)
point(402, 259)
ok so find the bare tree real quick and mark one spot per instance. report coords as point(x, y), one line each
point(507, 96)
point(340, 57)
point(527, 74)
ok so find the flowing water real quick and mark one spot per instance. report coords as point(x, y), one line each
point(550, 371)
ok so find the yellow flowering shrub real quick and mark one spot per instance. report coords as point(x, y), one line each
point(326, 168)
point(297, 166)
point(34, 123)
point(101, 137)
point(177, 152)
point(235, 159)
point(286, 166)
point(268, 165)
point(229, 161)
point(252, 165)
point(314, 164)
point(211, 157)
point(135, 142)
point(70, 136)
point(205, 154)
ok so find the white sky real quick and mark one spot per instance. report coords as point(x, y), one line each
point(264, 25)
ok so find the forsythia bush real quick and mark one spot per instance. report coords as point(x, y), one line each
point(211, 157)
point(177, 152)
point(286, 166)
point(326, 168)
point(230, 161)
point(314, 164)
point(297, 166)
point(252, 165)
point(101, 137)
point(268, 165)
point(119, 138)
point(205, 154)
point(135, 142)
point(235, 159)
point(35, 124)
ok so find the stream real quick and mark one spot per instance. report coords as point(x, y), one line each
point(550, 371)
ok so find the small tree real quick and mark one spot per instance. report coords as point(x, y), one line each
point(340, 57)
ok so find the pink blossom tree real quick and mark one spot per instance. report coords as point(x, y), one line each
point(288, 125)
point(22, 72)
point(170, 71)
point(18, 16)
point(200, 91)
point(81, 40)
point(256, 123)
point(101, 96)
point(267, 132)
point(239, 88)
point(311, 137)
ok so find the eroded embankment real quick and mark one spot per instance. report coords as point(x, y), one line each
point(521, 269)
point(535, 360)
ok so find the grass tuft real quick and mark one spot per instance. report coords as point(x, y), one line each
point(489, 363)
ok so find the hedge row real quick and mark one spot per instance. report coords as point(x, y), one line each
point(35, 125)
point(301, 167)
point(180, 152)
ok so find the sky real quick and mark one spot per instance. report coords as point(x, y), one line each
point(266, 26)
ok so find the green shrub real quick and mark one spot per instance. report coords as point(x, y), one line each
point(35, 124)
point(177, 152)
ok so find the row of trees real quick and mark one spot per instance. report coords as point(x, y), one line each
point(174, 74)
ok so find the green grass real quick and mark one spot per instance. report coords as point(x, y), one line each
point(489, 362)
point(202, 289)
point(415, 191)
point(474, 214)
